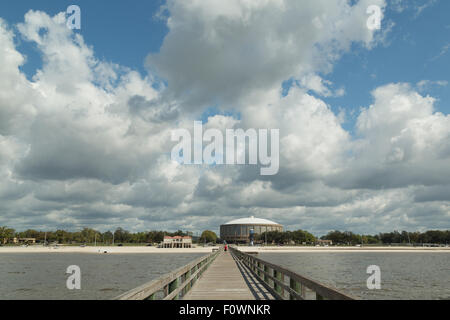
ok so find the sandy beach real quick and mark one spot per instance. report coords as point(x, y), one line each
point(206, 250)
point(102, 249)
point(343, 249)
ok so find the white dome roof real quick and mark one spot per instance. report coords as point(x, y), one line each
point(252, 220)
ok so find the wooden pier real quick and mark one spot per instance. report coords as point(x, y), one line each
point(228, 279)
point(233, 275)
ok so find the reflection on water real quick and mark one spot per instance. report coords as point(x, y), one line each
point(42, 275)
point(403, 275)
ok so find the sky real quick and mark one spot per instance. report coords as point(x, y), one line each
point(86, 115)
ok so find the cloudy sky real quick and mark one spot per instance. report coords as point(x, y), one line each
point(86, 116)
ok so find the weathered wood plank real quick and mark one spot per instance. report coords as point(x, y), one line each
point(221, 281)
point(232, 275)
point(271, 271)
point(148, 290)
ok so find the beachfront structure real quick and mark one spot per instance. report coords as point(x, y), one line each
point(240, 230)
point(20, 240)
point(177, 242)
point(324, 242)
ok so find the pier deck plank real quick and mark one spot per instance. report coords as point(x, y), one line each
point(223, 280)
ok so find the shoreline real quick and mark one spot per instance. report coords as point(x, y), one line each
point(206, 250)
point(381, 249)
point(102, 250)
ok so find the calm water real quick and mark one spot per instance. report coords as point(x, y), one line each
point(42, 276)
point(403, 275)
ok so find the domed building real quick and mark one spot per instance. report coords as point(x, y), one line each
point(240, 230)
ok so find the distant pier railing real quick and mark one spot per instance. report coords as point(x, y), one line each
point(286, 284)
point(173, 285)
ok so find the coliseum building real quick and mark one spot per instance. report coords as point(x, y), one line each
point(238, 231)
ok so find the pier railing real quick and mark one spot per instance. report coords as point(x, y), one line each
point(173, 285)
point(286, 284)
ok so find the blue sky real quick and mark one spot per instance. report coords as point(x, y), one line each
point(122, 32)
point(125, 32)
point(412, 53)
point(111, 147)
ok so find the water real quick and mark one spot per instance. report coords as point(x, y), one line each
point(403, 275)
point(42, 276)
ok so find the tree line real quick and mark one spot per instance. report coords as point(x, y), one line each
point(396, 237)
point(350, 238)
point(88, 235)
point(120, 235)
point(287, 237)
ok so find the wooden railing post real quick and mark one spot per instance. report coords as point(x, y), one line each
point(297, 287)
point(274, 276)
point(266, 278)
point(279, 276)
point(179, 282)
point(185, 278)
point(188, 286)
point(172, 286)
point(282, 288)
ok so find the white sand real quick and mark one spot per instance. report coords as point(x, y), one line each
point(343, 249)
point(205, 250)
point(101, 250)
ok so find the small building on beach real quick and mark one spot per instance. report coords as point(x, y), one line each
point(177, 242)
point(324, 242)
point(20, 240)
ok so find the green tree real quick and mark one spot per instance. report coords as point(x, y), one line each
point(5, 234)
point(301, 236)
point(208, 236)
point(122, 236)
point(107, 237)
